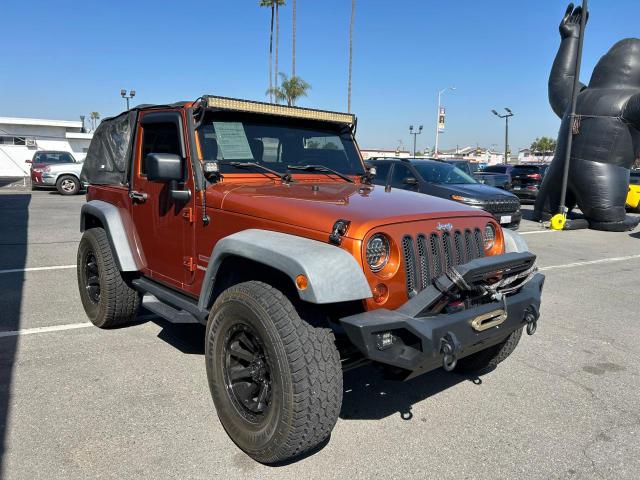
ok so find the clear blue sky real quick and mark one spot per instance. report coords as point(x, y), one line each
point(66, 58)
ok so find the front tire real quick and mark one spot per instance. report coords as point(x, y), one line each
point(68, 185)
point(107, 299)
point(275, 380)
point(489, 358)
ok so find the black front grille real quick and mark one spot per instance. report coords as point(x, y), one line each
point(428, 256)
point(502, 205)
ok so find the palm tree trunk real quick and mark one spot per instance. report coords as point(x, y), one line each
point(271, 58)
point(277, 41)
point(293, 42)
point(353, 12)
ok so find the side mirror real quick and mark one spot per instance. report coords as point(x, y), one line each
point(163, 167)
point(410, 181)
point(28, 161)
point(167, 167)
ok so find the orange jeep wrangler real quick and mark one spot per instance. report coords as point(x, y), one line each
point(261, 222)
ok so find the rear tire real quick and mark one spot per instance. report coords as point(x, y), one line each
point(275, 380)
point(107, 299)
point(488, 359)
point(68, 185)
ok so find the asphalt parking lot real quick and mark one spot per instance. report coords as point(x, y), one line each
point(79, 402)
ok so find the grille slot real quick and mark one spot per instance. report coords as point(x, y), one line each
point(409, 264)
point(429, 255)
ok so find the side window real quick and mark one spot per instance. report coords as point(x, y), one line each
point(159, 138)
point(382, 173)
point(400, 172)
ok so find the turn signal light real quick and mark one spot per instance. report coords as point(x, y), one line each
point(380, 293)
point(302, 282)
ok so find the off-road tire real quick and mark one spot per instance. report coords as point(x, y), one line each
point(117, 303)
point(63, 181)
point(304, 370)
point(488, 359)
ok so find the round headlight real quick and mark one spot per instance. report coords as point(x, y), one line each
point(489, 237)
point(377, 252)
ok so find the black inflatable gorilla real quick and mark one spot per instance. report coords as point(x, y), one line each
point(606, 131)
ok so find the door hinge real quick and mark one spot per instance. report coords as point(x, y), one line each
point(189, 264)
point(187, 214)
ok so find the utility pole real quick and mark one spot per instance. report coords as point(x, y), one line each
point(506, 130)
point(415, 135)
point(435, 153)
point(123, 94)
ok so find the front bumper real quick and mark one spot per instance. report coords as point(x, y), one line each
point(417, 340)
point(508, 219)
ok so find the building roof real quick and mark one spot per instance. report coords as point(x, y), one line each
point(40, 122)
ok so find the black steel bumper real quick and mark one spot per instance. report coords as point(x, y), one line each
point(419, 343)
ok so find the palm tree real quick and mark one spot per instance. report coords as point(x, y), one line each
point(273, 5)
point(290, 90)
point(353, 12)
point(278, 3)
point(94, 116)
point(293, 41)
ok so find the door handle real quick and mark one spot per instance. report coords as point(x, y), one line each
point(139, 197)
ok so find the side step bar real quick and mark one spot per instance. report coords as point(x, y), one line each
point(169, 304)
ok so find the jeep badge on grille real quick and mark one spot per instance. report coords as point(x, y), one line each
point(444, 227)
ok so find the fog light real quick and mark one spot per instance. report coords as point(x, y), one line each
point(385, 340)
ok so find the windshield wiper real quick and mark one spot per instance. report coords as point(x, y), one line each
point(320, 168)
point(285, 177)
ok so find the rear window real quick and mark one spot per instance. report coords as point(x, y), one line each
point(53, 157)
point(495, 169)
point(525, 169)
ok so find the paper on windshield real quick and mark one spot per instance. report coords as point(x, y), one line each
point(232, 141)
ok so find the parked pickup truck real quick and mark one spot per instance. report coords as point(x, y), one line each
point(260, 222)
point(498, 180)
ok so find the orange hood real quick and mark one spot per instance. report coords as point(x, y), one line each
point(317, 206)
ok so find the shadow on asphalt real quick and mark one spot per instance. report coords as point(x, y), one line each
point(368, 393)
point(14, 218)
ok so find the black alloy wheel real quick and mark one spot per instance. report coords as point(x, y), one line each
point(92, 276)
point(247, 374)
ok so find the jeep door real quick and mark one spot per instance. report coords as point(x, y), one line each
point(164, 226)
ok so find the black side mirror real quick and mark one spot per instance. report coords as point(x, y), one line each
point(168, 168)
point(163, 167)
point(410, 181)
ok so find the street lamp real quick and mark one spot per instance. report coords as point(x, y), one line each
point(506, 129)
point(123, 94)
point(438, 118)
point(415, 134)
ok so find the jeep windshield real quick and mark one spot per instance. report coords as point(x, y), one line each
point(440, 172)
point(277, 143)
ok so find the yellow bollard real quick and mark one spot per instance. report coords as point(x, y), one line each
point(558, 221)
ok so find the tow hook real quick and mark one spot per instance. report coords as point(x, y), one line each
point(531, 319)
point(449, 347)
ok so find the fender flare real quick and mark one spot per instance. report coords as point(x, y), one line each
point(513, 242)
point(111, 221)
point(333, 274)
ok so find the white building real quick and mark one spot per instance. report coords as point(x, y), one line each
point(20, 138)
point(371, 153)
point(527, 156)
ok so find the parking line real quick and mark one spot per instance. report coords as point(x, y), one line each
point(37, 269)
point(536, 231)
point(591, 262)
point(58, 328)
point(53, 328)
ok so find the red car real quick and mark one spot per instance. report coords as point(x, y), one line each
point(41, 160)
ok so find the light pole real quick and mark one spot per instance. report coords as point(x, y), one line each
point(123, 94)
point(415, 134)
point(506, 130)
point(435, 153)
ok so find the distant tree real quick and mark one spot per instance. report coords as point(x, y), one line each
point(543, 145)
point(94, 116)
point(273, 5)
point(290, 90)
